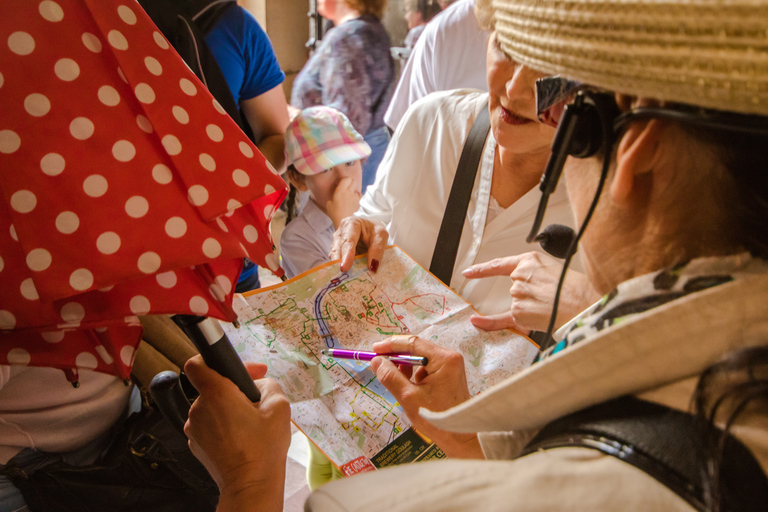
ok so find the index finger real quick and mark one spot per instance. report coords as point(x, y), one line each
point(406, 344)
point(345, 183)
point(496, 267)
point(345, 242)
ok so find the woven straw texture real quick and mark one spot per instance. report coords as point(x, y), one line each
point(703, 52)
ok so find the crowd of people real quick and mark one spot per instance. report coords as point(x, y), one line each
point(656, 115)
point(666, 180)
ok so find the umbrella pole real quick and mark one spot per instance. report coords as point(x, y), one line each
point(217, 351)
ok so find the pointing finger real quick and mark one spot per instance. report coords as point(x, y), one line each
point(497, 267)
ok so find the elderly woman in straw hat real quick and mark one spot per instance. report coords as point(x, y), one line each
point(662, 110)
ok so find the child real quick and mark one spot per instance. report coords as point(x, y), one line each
point(324, 157)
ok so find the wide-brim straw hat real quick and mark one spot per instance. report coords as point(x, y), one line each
point(710, 53)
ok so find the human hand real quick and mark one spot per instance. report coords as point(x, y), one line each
point(345, 201)
point(438, 386)
point(357, 236)
point(242, 445)
point(534, 281)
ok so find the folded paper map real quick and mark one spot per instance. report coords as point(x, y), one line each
point(339, 404)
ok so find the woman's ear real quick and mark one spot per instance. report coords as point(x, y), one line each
point(637, 155)
point(297, 179)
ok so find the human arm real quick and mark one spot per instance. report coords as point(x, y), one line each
point(438, 386)
point(267, 114)
point(242, 445)
point(534, 279)
point(345, 201)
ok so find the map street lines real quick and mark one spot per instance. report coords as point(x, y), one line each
point(339, 404)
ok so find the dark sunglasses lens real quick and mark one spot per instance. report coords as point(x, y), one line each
point(552, 94)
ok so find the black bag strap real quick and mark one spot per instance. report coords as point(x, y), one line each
point(175, 20)
point(206, 13)
point(447, 245)
point(669, 445)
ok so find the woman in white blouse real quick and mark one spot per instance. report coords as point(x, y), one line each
point(406, 204)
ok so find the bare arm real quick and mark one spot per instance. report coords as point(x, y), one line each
point(267, 114)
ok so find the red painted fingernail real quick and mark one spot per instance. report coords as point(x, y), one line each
point(374, 265)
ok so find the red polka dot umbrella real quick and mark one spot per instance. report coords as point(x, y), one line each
point(126, 188)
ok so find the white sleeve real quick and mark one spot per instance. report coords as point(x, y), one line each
point(396, 175)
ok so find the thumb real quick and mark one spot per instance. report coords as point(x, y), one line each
point(256, 370)
point(390, 377)
point(496, 322)
point(200, 375)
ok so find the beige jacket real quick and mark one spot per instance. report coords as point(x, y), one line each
point(656, 355)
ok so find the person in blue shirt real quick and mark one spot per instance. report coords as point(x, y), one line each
point(249, 64)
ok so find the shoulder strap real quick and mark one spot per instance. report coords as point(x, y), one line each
point(207, 13)
point(667, 444)
point(444, 256)
point(175, 20)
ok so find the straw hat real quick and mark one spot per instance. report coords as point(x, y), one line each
point(711, 53)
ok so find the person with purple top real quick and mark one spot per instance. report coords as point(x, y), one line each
point(353, 72)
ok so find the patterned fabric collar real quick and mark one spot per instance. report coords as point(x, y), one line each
point(652, 290)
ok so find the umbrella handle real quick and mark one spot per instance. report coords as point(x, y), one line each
point(170, 399)
point(217, 351)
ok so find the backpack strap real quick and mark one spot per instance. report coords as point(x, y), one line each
point(447, 245)
point(669, 445)
point(174, 18)
point(207, 13)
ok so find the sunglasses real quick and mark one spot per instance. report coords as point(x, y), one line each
point(553, 93)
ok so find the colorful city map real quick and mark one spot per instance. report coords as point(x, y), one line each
point(339, 404)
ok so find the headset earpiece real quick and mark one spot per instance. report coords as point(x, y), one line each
point(587, 135)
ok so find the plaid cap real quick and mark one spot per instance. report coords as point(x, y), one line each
point(319, 138)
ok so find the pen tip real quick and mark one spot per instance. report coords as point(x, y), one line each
point(324, 352)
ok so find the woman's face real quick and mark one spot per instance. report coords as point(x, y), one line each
point(413, 18)
point(327, 8)
point(513, 104)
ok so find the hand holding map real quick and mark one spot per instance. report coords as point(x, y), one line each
point(340, 404)
point(440, 385)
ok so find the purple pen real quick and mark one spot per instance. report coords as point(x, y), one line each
point(358, 355)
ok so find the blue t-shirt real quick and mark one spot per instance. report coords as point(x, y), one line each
point(244, 54)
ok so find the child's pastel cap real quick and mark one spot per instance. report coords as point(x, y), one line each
point(319, 138)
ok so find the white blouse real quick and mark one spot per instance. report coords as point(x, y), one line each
point(412, 187)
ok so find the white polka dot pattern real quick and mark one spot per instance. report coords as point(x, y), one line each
point(142, 175)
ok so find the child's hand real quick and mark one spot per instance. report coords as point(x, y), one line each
point(345, 201)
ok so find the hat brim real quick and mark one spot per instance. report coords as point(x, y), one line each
point(331, 157)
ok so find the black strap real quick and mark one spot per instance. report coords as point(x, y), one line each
point(207, 13)
point(669, 445)
point(174, 18)
point(447, 245)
